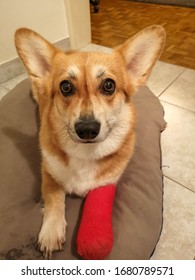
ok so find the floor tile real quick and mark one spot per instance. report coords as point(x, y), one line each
point(3, 92)
point(177, 241)
point(162, 76)
point(182, 91)
point(178, 145)
point(13, 82)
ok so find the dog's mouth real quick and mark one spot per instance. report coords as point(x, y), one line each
point(86, 141)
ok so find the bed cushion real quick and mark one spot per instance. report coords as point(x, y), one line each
point(137, 212)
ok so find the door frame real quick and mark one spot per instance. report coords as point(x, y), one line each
point(79, 22)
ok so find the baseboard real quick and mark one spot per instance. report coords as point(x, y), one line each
point(63, 44)
point(14, 68)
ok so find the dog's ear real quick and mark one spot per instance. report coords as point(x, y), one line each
point(141, 52)
point(35, 52)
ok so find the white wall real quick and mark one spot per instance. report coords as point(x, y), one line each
point(47, 17)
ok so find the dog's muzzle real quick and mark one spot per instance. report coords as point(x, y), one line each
point(87, 130)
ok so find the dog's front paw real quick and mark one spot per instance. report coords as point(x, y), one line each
point(52, 236)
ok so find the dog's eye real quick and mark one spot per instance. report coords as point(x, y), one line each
point(108, 86)
point(66, 88)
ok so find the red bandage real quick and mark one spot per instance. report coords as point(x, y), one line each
point(95, 235)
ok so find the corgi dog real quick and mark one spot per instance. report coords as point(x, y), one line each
point(87, 131)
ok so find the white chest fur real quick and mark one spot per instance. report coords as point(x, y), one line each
point(77, 177)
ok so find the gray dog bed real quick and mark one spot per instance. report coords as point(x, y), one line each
point(137, 212)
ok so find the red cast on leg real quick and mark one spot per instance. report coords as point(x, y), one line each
point(95, 235)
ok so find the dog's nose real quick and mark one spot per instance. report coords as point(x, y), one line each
point(87, 130)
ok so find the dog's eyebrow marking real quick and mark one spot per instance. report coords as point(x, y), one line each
point(99, 71)
point(73, 72)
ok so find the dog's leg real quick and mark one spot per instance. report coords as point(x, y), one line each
point(95, 235)
point(52, 234)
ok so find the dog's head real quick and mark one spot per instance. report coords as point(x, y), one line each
point(87, 96)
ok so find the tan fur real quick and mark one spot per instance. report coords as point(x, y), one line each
point(68, 164)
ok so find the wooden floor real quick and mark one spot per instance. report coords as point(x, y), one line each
point(119, 19)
